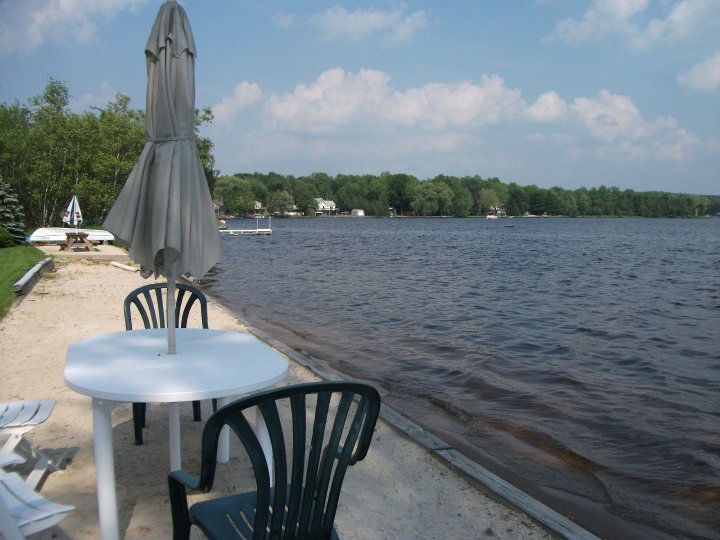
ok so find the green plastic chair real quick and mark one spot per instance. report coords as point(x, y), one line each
point(148, 303)
point(311, 451)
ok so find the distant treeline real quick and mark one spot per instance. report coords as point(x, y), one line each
point(403, 194)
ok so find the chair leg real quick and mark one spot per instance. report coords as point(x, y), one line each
point(138, 422)
point(197, 416)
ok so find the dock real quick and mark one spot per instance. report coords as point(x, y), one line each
point(257, 231)
point(246, 232)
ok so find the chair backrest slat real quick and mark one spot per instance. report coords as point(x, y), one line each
point(313, 465)
point(299, 420)
point(272, 421)
point(329, 457)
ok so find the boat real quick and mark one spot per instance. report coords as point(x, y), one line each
point(54, 235)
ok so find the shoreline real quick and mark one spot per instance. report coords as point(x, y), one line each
point(438, 423)
point(81, 298)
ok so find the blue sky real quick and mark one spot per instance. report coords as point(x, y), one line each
point(570, 93)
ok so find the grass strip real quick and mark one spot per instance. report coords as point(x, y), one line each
point(14, 262)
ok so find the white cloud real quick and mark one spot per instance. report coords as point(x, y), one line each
point(627, 19)
point(26, 25)
point(244, 95)
point(704, 76)
point(338, 98)
point(398, 25)
point(440, 105)
point(685, 19)
point(604, 18)
point(617, 124)
point(609, 116)
point(549, 107)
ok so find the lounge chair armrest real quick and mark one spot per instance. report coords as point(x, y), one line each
point(10, 458)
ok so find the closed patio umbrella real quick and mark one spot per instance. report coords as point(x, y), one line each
point(164, 213)
point(73, 215)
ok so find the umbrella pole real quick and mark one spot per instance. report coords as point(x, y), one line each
point(171, 315)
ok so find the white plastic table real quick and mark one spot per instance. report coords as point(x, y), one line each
point(133, 366)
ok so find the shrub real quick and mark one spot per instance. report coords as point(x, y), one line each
point(6, 239)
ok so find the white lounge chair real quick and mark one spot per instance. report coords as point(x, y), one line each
point(16, 419)
point(10, 458)
point(23, 511)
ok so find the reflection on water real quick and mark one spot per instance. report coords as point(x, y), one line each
point(579, 358)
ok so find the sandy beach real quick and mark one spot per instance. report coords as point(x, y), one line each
point(399, 491)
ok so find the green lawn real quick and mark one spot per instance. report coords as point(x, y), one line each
point(14, 262)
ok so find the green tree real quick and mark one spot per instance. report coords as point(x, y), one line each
point(236, 194)
point(583, 202)
point(535, 199)
point(461, 202)
point(280, 202)
point(377, 197)
point(444, 197)
point(304, 194)
point(488, 201)
point(424, 201)
point(517, 200)
point(121, 138)
point(11, 214)
point(400, 191)
point(352, 194)
point(324, 185)
point(205, 146)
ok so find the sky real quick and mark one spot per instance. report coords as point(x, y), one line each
point(569, 93)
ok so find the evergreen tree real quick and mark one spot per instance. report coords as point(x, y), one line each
point(11, 214)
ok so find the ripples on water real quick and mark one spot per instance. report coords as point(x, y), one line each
point(582, 355)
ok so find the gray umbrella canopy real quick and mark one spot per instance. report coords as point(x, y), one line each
point(164, 212)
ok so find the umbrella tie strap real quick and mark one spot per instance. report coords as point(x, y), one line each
point(165, 139)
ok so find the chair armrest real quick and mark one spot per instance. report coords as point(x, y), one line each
point(178, 482)
point(186, 479)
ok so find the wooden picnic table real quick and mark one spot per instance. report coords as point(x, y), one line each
point(74, 238)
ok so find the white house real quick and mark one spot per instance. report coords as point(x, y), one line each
point(325, 208)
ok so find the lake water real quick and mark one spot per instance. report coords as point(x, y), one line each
point(577, 358)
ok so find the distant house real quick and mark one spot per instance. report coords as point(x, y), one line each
point(218, 207)
point(325, 208)
point(259, 210)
